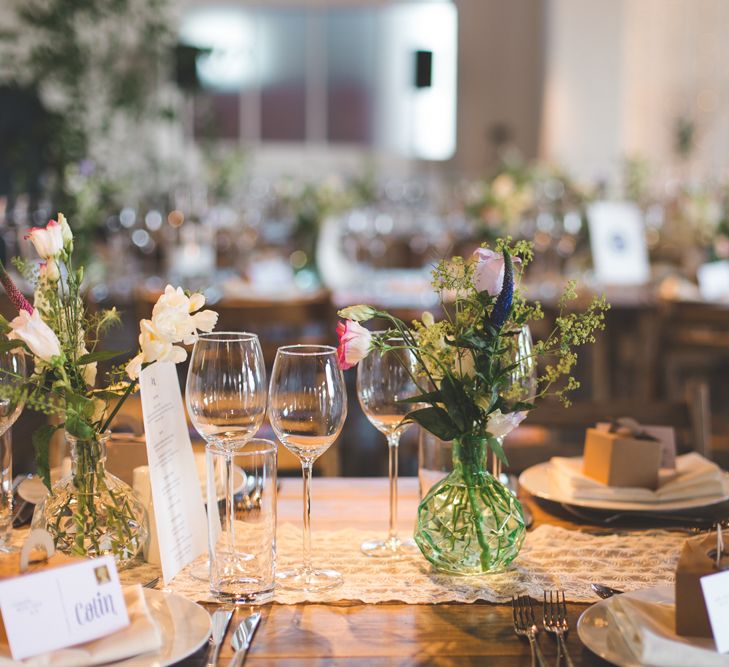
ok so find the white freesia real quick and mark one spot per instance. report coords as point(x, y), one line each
point(172, 316)
point(500, 425)
point(48, 240)
point(154, 346)
point(36, 334)
point(66, 233)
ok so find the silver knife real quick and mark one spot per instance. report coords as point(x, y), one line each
point(221, 621)
point(242, 638)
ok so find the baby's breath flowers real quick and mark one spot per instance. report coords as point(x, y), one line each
point(469, 362)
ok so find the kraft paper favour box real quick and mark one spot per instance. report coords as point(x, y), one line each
point(617, 459)
point(697, 559)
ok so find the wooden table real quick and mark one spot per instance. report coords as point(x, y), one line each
point(358, 634)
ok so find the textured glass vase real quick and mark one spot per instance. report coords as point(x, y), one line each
point(469, 523)
point(91, 512)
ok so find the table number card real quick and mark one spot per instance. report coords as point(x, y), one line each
point(178, 503)
point(716, 596)
point(62, 606)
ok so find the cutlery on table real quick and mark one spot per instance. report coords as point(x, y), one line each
point(555, 621)
point(525, 626)
point(152, 583)
point(221, 621)
point(242, 638)
point(604, 591)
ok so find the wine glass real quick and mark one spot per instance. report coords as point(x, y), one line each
point(12, 377)
point(226, 400)
point(307, 409)
point(384, 378)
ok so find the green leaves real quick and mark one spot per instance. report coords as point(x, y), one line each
point(41, 442)
point(435, 420)
point(102, 355)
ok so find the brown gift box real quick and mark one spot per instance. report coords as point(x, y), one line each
point(616, 459)
point(698, 559)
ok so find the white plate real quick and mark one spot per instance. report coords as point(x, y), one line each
point(536, 481)
point(592, 627)
point(185, 627)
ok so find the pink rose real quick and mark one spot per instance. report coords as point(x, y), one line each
point(354, 343)
point(48, 240)
point(489, 272)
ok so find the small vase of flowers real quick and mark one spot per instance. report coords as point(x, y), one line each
point(89, 512)
point(471, 392)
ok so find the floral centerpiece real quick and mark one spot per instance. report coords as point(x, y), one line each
point(475, 386)
point(90, 512)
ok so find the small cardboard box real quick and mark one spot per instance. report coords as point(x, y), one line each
point(697, 559)
point(620, 460)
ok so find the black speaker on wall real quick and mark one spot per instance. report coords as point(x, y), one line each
point(423, 69)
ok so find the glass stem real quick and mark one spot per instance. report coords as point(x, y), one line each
point(393, 442)
point(230, 503)
point(6, 487)
point(306, 467)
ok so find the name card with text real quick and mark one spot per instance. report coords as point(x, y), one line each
point(62, 606)
point(178, 503)
point(715, 588)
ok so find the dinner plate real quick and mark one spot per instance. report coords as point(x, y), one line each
point(592, 627)
point(536, 481)
point(185, 627)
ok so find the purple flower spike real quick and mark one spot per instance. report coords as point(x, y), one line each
point(501, 308)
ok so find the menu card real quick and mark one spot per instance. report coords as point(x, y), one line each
point(178, 503)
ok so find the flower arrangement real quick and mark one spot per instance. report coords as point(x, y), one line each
point(96, 515)
point(477, 381)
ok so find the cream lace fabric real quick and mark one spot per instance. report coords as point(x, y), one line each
point(552, 557)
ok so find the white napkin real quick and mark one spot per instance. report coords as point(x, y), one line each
point(646, 629)
point(694, 477)
point(141, 636)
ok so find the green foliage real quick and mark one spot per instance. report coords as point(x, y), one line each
point(41, 441)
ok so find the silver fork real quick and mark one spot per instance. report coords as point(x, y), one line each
point(555, 621)
point(526, 626)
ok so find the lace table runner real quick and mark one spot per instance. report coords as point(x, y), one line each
point(552, 557)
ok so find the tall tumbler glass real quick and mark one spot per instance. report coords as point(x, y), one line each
point(242, 544)
point(384, 379)
point(12, 378)
point(307, 409)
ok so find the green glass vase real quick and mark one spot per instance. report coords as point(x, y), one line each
point(469, 523)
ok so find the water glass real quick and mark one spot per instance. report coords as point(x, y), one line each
point(242, 521)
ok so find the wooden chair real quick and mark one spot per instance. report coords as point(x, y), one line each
point(552, 430)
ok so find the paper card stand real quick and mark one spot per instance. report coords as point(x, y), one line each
point(178, 503)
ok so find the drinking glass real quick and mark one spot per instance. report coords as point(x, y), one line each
point(383, 379)
point(242, 546)
point(12, 377)
point(226, 396)
point(307, 409)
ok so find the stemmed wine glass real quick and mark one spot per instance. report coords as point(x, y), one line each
point(226, 401)
point(12, 377)
point(307, 409)
point(384, 378)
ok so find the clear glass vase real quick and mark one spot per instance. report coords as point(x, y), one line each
point(91, 512)
point(469, 523)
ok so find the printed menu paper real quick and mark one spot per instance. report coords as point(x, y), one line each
point(62, 606)
point(716, 596)
point(178, 503)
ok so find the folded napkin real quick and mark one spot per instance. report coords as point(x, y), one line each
point(141, 636)
point(646, 629)
point(694, 477)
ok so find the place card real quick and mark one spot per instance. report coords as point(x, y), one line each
point(617, 242)
point(716, 596)
point(62, 606)
point(179, 509)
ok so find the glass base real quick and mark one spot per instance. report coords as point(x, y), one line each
point(309, 580)
point(201, 571)
point(391, 548)
point(237, 594)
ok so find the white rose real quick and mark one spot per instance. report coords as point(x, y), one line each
point(36, 334)
point(154, 347)
point(172, 316)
